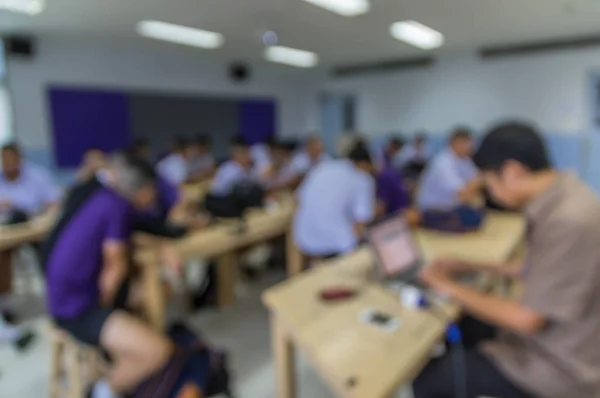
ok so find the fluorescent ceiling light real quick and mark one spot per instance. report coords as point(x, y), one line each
point(347, 8)
point(30, 7)
point(180, 34)
point(417, 34)
point(291, 56)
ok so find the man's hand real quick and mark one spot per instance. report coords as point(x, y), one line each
point(5, 204)
point(452, 266)
point(171, 258)
point(438, 278)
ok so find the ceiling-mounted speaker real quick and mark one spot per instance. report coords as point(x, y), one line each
point(239, 72)
point(20, 46)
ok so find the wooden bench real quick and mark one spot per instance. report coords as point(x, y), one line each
point(74, 366)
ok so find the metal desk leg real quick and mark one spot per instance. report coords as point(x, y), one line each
point(294, 259)
point(283, 358)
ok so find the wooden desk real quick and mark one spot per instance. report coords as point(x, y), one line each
point(35, 230)
point(193, 193)
point(358, 360)
point(220, 241)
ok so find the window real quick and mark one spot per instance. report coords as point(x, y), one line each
point(6, 132)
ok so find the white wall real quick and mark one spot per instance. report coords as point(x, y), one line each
point(124, 66)
point(551, 90)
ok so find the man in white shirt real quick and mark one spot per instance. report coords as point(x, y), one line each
point(335, 201)
point(311, 156)
point(414, 154)
point(202, 162)
point(450, 187)
point(238, 169)
point(174, 167)
point(25, 187)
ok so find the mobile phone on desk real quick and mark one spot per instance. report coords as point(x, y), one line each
point(379, 319)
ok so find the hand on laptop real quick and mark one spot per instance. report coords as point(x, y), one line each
point(452, 266)
point(438, 278)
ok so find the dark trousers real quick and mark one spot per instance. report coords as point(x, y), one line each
point(481, 377)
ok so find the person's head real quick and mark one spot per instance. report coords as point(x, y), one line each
point(394, 145)
point(510, 158)
point(134, 178)
point(202, 144)
point(94, 159)
point(240, 153)
point(461, 142)
point(141, 148)
point(420, 140)
point(283, 152)
point(314, 146)
point(360, 156)
point(11, 161)
point(179, 145)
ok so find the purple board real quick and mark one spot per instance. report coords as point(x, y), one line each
point(87, 118)
point(257, 120)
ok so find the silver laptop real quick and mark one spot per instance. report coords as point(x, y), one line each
point(398, 255)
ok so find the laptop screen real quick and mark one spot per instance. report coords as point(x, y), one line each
point(395, 246)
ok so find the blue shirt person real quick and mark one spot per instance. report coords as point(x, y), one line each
point(415, 153)
point(312, 154)
point(25, 187)
point(450, 181)
point(201, 163)
point(174, 167)
point(238, 169)
point(335, 200)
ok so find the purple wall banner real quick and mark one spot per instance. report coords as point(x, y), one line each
point(84, 118)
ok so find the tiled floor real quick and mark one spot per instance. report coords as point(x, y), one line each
point(242, 329)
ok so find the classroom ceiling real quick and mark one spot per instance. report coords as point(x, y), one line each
point(466, 24)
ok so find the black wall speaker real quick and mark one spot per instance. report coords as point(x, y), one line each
point(239, 72)
point(20, 46)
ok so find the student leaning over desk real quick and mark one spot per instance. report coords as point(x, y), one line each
point(547, 343)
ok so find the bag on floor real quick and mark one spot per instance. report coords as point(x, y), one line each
point(194, 363)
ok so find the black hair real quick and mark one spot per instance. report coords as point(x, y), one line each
point(202, 140)
point(396, 141)
point(239, 142)
point(460, 133)
point(179, 143)
point(421, 137)
point(287, 146)
point(11, 147)
point(512, 141)
point(359, 152)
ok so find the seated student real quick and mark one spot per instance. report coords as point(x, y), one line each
point(238, 169)
point(391, 150)
point(141, 149)
point(285, 174)
point(392, 194)
point(335, 201)
point(201, 164)
point(174, 167)
point(261, 155)
point(414, 157)
point(450, 186)
point(312, 155)
point(546, 344)
point(94, 160)
point(87, 266)
point(26, 190)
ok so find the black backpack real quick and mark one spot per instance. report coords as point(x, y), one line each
point(189, 344)
point(244, 195)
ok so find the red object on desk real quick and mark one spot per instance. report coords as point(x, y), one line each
point(337, 293)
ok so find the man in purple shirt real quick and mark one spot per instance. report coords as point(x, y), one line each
point(87, 273)
point(392, 195)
